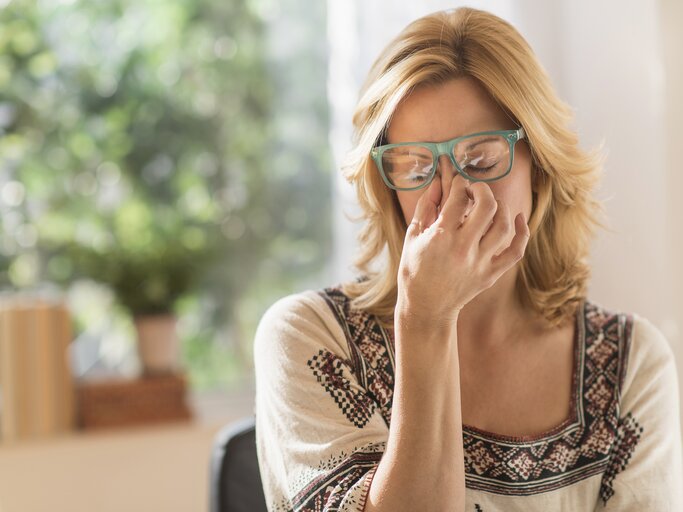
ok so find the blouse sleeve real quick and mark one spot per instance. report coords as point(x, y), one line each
point(645, 468)
point(318, 441)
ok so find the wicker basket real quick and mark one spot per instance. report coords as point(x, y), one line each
point(130, 402)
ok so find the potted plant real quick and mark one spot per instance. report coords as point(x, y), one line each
point(149, 266)
point(147, 285)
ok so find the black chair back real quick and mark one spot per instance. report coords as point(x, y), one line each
point(235, 478)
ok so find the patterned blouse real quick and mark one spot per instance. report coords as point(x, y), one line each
point(324, 388)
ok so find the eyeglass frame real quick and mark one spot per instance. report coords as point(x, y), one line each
point(446, 148)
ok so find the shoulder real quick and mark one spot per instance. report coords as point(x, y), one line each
point(642, 350)
point(300, 321)
point(646, 336)
point(637, 333)
point(650, 354)
point(307, 303)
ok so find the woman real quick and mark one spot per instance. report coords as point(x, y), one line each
point(470, 372)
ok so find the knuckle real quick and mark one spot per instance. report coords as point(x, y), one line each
point(502, 209)
point(506, 223)
point(483, 189)
point(489, 204)
point(489, 280)
point(479, 186)
point(405, 272)
point(517, 252)
point(439, 231)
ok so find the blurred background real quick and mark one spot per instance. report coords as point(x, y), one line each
point(169, 169)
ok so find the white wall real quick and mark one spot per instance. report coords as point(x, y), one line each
point(618, 64)
point(671, 16)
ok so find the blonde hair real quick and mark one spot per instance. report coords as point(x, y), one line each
point(445, 45)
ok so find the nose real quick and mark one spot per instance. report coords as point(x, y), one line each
point(447, 172)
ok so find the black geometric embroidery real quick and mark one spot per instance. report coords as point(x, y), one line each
point(329, 369)
point(578, 449)
point(371, 349)
point(628, 435)
point(329, 489)
point(477, 508)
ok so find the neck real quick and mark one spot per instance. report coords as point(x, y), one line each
point(495, 317)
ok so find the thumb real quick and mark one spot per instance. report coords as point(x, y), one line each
point(426, 210)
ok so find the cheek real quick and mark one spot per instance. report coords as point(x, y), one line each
point(408, 202)
point(516, 192)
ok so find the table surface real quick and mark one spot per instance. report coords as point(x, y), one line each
point(152, 468)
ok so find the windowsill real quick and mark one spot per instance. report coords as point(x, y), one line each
point(164, 467)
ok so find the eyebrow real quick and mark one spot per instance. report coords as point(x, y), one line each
point(469, 146)
point(474, 144)
point(404, 150)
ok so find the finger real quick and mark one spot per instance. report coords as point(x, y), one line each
point(455, 207)
point(499, 231)
point(482, 212)
point(515, 251)
point(426, 210)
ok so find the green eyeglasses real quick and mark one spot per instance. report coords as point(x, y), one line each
point(483, 156)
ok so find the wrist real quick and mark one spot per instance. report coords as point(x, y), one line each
point(408, 319)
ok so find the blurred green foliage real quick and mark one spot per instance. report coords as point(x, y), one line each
point(164, 146)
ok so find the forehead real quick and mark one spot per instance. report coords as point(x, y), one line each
point(434, 113)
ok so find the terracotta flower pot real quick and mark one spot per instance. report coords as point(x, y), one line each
point(158, 343)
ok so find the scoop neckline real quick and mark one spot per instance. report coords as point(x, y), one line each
point(573, 417)
point(573, 420)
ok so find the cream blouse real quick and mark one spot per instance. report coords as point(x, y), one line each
point(324, 388)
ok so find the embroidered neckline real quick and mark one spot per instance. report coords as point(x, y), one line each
point(576, 449)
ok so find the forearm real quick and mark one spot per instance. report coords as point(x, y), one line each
point(422, 467)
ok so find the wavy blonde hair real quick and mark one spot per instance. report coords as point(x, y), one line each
point(468, 42)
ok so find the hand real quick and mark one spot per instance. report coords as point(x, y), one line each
point(451, 255)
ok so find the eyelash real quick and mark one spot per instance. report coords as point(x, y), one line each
point(485, 168)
